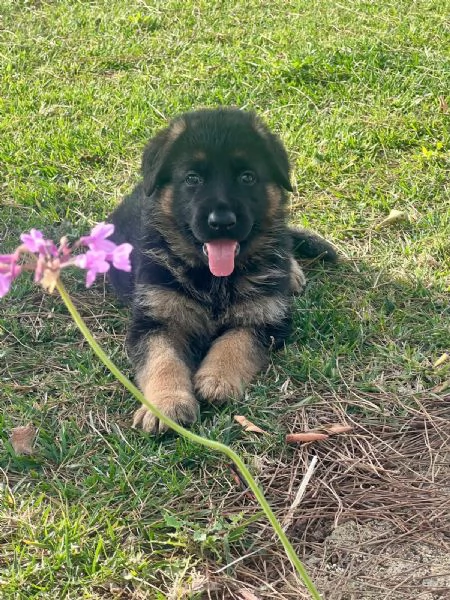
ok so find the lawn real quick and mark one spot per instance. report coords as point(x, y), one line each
point(359, 92)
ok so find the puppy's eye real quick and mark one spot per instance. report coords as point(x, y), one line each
point(247, 178)
point(193, 179)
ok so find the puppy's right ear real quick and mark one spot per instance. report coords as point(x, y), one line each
point(276, 153)
point(154, 167)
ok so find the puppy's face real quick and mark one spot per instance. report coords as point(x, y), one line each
point(226, 173)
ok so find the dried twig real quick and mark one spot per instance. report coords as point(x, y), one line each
point(301, 490)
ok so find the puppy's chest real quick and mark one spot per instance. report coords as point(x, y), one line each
point(204, 308)
point(243, 302)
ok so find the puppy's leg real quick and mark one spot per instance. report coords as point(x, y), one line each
point(307, 244)
point(231, 363)
point(165, 380)
point(297, 277)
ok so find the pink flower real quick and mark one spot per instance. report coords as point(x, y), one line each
point(121, 257)
point(35, 242)
point(5, 284)
point(7, 261)
point(95, 262)
point(39, 269)
point(8, 264)
point(9, 270)
point(47, 259)
point(96, 240)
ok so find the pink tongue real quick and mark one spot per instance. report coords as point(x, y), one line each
point(221, 257)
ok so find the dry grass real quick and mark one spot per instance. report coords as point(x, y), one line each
point(377, 497)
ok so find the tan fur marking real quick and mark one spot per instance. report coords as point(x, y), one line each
point(297, 277)
point(275, 198)
point(249, 284)
point(165, 380)
point(261, 311)
point(259, 127)
point(171, 230)
point(176, 130)
point(231, 363)
point(166, 201)
point(199, 155)
point(267, 242)
point(181, 314)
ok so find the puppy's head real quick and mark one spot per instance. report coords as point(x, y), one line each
point(220, 175)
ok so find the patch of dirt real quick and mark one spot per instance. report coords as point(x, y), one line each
point(368, 562)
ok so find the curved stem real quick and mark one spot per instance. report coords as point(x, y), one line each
point(217, 446)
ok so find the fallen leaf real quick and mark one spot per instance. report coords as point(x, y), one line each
point(393, 217)
point(322, 433)
point(443, 105)
point(22, 439)
point(336, 428)
point(441, 360)
point(247, 595)
point(248, 425)
point(306, 436)
point(284, 387)
point(442, 387)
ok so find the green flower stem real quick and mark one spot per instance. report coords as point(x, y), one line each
point(217, 446)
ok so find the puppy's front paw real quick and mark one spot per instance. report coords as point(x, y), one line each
point(216, 387)
point(181, 407)
point(297, 278)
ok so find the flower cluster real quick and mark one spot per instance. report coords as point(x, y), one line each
point(47, 259)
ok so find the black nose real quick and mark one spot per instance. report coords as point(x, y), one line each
point(222, 219)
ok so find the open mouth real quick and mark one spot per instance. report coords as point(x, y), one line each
point(221, 255)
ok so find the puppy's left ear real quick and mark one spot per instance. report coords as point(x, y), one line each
point(154, 160)
point(276, 154)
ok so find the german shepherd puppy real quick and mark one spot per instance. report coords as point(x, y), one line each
point(213, 260)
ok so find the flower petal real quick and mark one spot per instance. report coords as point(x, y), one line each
point(96, 240)
point(81, 261)
point(33, 241)
point(5, 284)
point(103, 245)
point(90, 277)
point(8, 259)
point(121, 257)
point(95, 262)
point(102, 231)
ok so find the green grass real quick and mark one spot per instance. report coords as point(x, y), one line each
point(358, 91)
